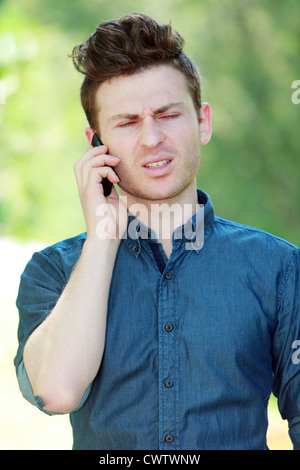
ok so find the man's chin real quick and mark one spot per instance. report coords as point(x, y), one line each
point(156, 193)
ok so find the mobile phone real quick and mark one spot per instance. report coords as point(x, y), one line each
point(107, 185)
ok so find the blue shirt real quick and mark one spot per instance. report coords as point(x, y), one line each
point(194, 343)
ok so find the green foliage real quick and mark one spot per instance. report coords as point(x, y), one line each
point(248, 55)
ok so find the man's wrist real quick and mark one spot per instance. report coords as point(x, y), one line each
point(94, 244)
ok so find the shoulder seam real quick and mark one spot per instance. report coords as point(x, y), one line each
point(59, 245)
point(286, 276)
point(254, 229)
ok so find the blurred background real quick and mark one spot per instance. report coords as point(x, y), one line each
point(248, 55)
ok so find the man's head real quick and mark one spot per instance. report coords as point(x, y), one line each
point(123, 47)
point(141, 95)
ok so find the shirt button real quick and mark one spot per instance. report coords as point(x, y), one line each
point(168, 276)
point(169, 327)
point(168, 383)
point(169, 438)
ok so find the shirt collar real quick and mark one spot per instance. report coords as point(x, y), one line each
point(193, 233)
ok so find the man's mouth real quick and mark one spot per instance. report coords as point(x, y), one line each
point(157, 164)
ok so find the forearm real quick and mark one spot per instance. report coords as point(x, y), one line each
point(63, 355)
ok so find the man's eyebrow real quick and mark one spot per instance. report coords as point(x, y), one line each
point(161, 110)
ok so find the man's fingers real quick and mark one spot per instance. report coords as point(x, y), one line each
point(90, 154)
point(83, 167)
point(102, 160)
point(96, 175)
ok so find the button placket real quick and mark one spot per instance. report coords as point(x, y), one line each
point(168, 360)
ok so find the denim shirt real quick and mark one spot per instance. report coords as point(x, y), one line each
point(195, 344)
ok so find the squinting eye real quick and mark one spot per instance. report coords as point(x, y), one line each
point(127, 124)
point(170, 116)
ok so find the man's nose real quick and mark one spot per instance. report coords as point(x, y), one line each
point(150, 133)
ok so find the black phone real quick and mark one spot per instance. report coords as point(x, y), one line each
point(107, 185)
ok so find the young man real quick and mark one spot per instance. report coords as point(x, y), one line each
point(149, 337)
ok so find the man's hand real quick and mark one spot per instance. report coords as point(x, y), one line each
point(105, 217)
point(63, 354)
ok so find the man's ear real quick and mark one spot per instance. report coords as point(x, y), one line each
point(205, 123)
point(89, 132)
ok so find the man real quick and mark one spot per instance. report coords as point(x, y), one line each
point(148, 337)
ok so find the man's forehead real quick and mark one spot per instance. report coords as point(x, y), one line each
point(157, 87)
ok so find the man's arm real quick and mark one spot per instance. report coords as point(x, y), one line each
point(62, 356)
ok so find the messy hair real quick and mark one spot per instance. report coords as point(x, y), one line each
point(126, 46)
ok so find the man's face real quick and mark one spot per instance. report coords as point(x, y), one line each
point(149, 121)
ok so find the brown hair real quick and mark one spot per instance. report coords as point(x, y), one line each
point(126, 46)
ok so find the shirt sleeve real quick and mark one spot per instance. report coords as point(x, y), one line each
point(35, 400)
point(285, 349)
point(41, 285)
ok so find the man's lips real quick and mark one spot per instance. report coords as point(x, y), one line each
point(158, 166)
point(157, 162)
